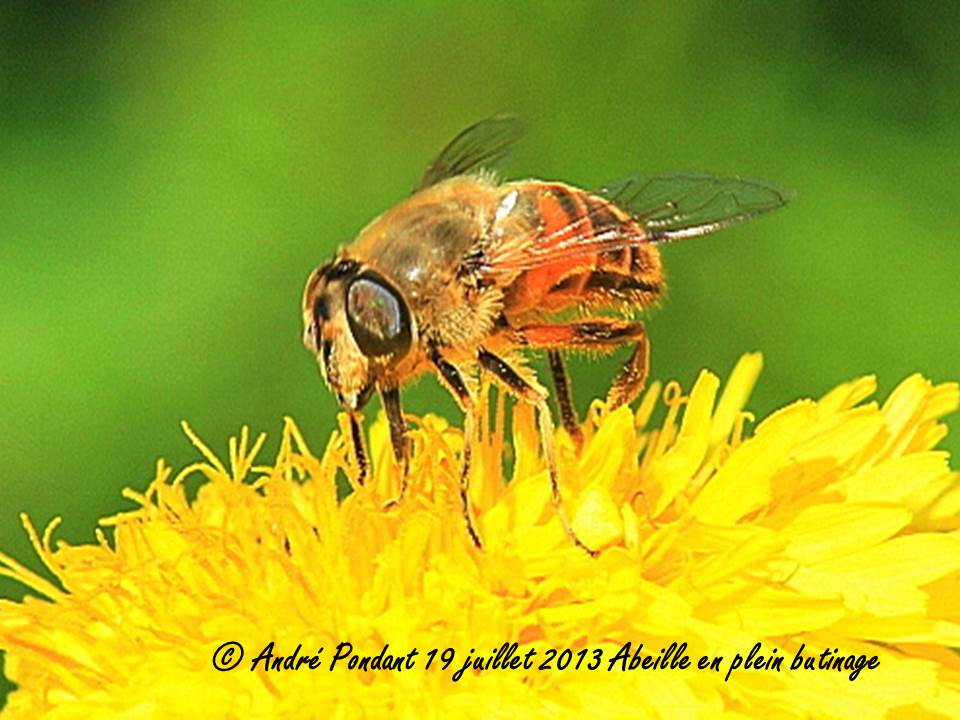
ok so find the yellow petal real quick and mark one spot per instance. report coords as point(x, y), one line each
point(823, 532)
point(597, 520)
point(672, 470)
point(743, 483)
point(735, 394)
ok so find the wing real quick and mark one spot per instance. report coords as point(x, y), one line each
point(482, 145)
point(650, 210)
point(670, 207)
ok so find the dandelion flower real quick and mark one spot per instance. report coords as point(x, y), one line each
point(832, 526)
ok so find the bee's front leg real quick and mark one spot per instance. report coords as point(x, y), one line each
point(390, 397)
point(359, 450)
point(454, 381)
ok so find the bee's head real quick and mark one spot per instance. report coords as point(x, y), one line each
point(357, 324)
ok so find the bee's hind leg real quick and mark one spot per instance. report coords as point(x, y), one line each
point(633, 375)
point(598, 334)
point(568, 411)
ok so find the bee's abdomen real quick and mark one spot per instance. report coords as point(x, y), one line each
point(629, 270)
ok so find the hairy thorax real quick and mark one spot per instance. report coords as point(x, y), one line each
point(421, 244)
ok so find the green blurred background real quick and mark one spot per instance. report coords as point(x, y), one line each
point(170, 173)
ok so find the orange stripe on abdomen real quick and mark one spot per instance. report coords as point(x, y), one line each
point(567, 217)
point(563, 219)
point(606, 218)
point(563, 214)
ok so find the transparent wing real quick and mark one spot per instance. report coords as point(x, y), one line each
point(482, 145)
point(665, 207)
point(686, 205)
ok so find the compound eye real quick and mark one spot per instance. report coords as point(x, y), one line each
point(378, 317)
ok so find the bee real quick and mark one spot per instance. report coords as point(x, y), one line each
point(469, 269)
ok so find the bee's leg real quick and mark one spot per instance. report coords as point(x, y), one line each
point(600, 334)
point(457, 385)
point(568, 412)
point(359, 451)
point(632, 377)
point(356, 430)
point(390, 397)
point(526, 392)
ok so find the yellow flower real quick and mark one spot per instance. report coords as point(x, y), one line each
point(833, 526)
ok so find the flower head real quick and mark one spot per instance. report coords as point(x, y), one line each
point(833, 525)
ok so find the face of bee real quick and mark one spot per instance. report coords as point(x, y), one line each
point(357, 324)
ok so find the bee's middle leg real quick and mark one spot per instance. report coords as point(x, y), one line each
point(526, 392)
point(453, 379)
